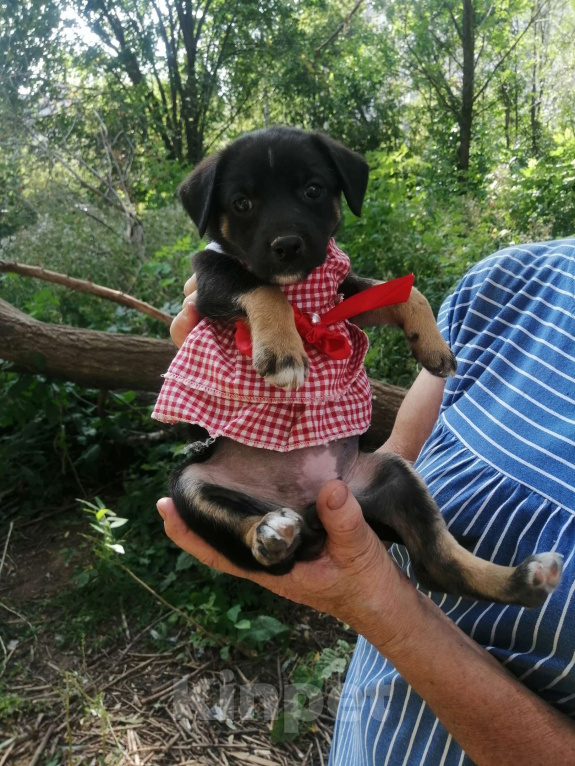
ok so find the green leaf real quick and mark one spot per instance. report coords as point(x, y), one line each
point(91, 454)
point(83, 578)
point(117, 522)
point(286, 727)
point(233, 613)
point(183, 562)
point(337, 665)
point(225, 652)
point(264, 627)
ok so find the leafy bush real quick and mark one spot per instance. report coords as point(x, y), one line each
point(83, 240)
point(408, 224)
point(543, 190)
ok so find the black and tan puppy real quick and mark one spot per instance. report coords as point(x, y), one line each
point(271, 201)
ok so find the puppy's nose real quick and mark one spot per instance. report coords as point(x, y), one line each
point(288, 248)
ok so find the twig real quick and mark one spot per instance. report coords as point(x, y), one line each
point(341, 27)
point(319, 752)
point(7, 753)
point(164, 751)
point(37, 520)
point(280, 694)
point(42, 746)
point(10, 528)
point(129, 672)
point(139, 636)
point(86, 286)
point(175, 609)
point(167, 688)
point(17, 614)
point(307, 755)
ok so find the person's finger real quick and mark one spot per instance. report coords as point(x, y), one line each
point(185, 321)
point(343, 520)
point(191, 285)
point(180, 328)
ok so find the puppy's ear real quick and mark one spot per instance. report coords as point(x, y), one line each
point(352, 169)
point(197, 192)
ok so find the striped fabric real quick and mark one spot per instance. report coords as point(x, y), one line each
point(500, 463)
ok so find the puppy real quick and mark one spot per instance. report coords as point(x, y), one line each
point(270, 204)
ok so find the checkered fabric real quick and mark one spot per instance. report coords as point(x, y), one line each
point(212, 384)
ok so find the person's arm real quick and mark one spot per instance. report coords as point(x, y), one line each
point(494, 718)
point(416, 416)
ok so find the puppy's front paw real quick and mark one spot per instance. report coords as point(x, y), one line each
point(422, 334)
point(285, 368)
point(436, 357)
point(276, 536)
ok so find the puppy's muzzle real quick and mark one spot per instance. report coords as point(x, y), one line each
point(288, 249)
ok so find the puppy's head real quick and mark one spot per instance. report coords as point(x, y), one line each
point(272, 199)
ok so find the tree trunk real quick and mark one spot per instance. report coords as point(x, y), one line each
point(507, 107)
point(194, 142)
point(536, 84)
point(467, 87)
point(107, 360)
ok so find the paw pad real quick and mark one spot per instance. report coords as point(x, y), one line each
point(276, 536)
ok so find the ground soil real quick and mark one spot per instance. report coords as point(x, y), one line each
point(126, 701)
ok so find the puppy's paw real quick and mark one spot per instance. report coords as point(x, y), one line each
point(422, 333)
point(431, 351)
point(277, 536)
point(536, 578)
point(285, 368)
point(438, 359)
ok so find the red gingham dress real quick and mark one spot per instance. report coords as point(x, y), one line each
point(212, 384)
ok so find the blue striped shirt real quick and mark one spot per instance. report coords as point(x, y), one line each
point(500, 464)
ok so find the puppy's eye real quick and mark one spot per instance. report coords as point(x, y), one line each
point(242, 204)
point(313, 191)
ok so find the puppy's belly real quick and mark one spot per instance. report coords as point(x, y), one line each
point(292, 479)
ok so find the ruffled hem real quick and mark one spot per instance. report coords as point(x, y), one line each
point(284, 397)
point(277, 426)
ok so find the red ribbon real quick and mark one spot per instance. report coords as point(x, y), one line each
point(315, 329)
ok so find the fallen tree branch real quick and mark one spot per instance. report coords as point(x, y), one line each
point(108, 360)
point(90, 358)
point(87, 286)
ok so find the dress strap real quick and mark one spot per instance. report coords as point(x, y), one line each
point(314, 329)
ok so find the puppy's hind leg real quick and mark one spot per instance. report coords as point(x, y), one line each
point(396, 497)
point(253, 534)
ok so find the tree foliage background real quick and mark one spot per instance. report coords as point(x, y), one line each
point(464, 109)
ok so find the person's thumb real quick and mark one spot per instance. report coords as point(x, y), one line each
point(341, 516)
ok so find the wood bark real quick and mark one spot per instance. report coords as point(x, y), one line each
point(467, 87)
point(88, 357)
point(98, 359)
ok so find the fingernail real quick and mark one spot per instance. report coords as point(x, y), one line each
point(337, 497)
point(161, 510)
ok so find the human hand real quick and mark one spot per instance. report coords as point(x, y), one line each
point(354, 579)
point(188, 317)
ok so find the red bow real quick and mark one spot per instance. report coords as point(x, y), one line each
point(314, 329)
